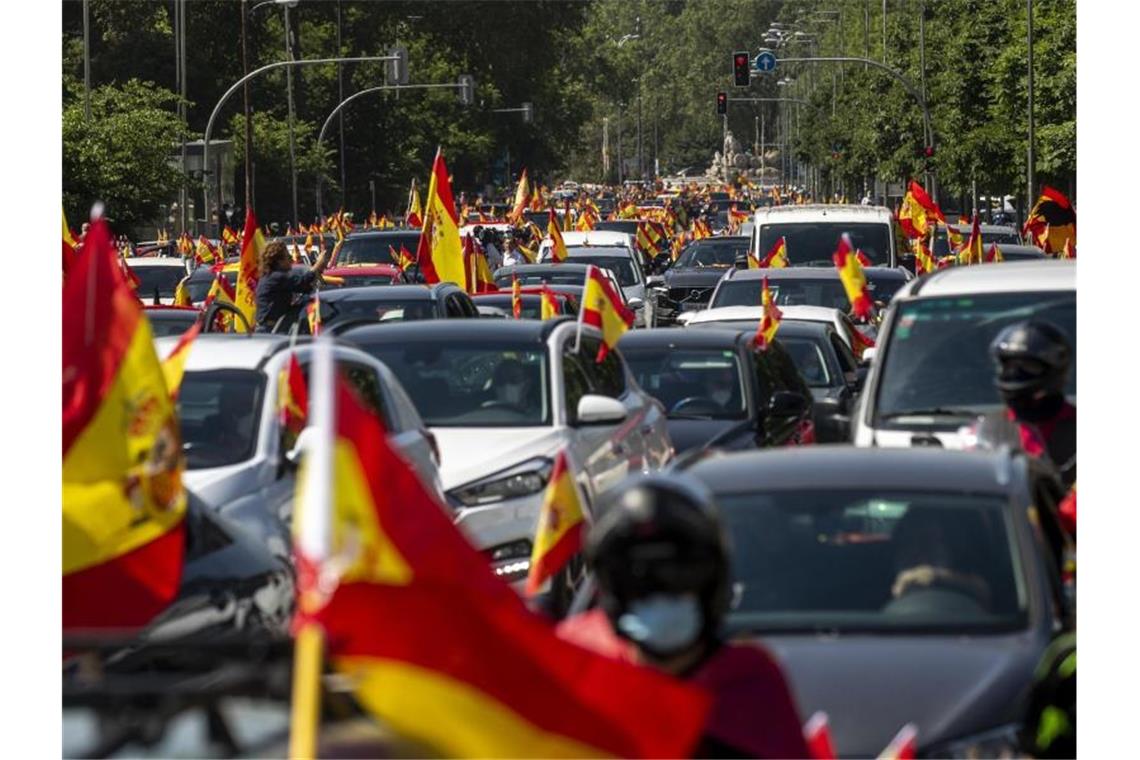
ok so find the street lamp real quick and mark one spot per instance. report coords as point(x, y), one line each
point(286, 5)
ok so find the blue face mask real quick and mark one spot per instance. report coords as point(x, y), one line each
point(663, 624)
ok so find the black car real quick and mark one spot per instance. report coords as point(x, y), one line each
point(805, 286)
point(372, 246)
point(712, 383)
point(826, 364)
point(170, 320)
point(690, 280)
point(394, 303)
point(898, 586)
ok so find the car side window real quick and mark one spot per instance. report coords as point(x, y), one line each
point(847, 361)
point(785, 375)
point(454, 307)
point(575, 381)
point(764, 376)
point(607, 377)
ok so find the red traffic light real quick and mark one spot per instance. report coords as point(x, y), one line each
point(721, 103)
point(741, 59)
point(928, 151)
point(741, 71)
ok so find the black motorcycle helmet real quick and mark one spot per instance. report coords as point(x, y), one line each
point(1031, 357)
point(660, 534)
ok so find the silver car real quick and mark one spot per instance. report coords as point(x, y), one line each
point(239, 459)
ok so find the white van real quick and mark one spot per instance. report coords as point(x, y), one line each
point(812, 232)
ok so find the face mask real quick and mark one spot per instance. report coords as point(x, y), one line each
point(1030, 408)
point(511, 393)
point(721, 395)
point(663, 624)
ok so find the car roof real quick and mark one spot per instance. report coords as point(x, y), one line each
point(158, 261)
point(986, 228)
point(826, 467)
point(799, 312)
point(211, 351)
point(821, 212)
point(665, 338)
point(596, 237)
point(1009, 277)
point(813, 273)
point(1019, 248)
point(542, 267)
point(380, 233)
point(380, 293)
point(454, 331)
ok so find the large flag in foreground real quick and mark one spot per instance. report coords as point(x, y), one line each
point(440, 251)
point(416, 619)
point(123, 502)
point(249, 271)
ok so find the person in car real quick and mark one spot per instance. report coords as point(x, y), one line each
point(280, 282)
point(722, 389)
point(930, 556)
point(661, 560)
point(510, 385)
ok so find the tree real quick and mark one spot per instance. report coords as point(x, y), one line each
point(122, 155)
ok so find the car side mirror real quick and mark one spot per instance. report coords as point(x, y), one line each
point(636, 304)
point(787, 404)
point(292, 458)
point(868, 356)
point(655, 281)
point(600, 410)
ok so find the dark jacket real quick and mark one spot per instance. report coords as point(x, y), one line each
point(275, 292)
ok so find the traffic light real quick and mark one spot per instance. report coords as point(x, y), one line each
point(466, 89)
point(925, 151)
point(397, 70)
point(527, 113)
point(741, 71)
point(721, 103)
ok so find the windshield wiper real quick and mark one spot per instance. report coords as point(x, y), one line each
point(935, 411)
point(683, 416)
point(813, 263)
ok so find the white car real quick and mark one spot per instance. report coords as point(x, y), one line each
point(158, 278)
point(812, 232)
point(614, 251)
point(932, 373)
point(503, 397)
point(239, 459)
point(736, 315)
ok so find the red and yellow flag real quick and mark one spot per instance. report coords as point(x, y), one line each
point(182, 293)
point(479, 279)
point(776, 258)
point(204, 253)
point(522, 199)
point(1068, 251)
point(229, 236)
point(313, 314)
point(917, 211)
point(174, 365)
point(561, 523)
point(993, 255)
point(1052, 221)
point(558, 252)
point(923, 258)
point(440, 251)
point(972, 252)
point(402, 257)
point(603, 308)
point(549, 303)
point(852, 277)
point(769, 319)
point(398, 580)
point(70, 246)
point(252, 244)
point(292, 396)
point(954, 239)
point(516, 297)
point(123, 502)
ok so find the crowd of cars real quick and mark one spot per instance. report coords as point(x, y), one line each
point(480, 402)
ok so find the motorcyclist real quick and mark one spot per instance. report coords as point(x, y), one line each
point(661, 562)
point(280, 282)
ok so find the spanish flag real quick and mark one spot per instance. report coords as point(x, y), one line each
point(204, 252)
point(972, 252)
point(917, 211)
point(923, 258)
point(522, 198)
point(516, 297)
point(249, 272)
point(402, 257)
point(421, 627)
point(776, 258)
point(440, 251)
point(1052, 221)
point(954, 239)
point(229, 237)
point(123, 502)
point(479, 279)
point(69, 246)
point(174, 365)
point(769, 319)
point(549, 303)
point(561, 522)
point(852, 277)
point(558, 252)
point(1068, 251)
point(603, 308)
point(292, 396)
point(993, 255)
point(182, 293)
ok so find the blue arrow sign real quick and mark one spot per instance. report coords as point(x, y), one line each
point(765, 61)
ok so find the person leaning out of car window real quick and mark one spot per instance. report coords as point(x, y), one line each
point(280, 282)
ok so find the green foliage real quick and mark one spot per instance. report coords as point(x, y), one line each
point(121, 154)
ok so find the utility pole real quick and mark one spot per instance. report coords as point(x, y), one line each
point(182, 115)
point(640, 163)
point(884, 32)
point(248, 151)
point(619, 158)
point(605, 149)
point(289, 95)
point(929, 178)
point(1029, 197)
point(87, 59)
point(340, 97)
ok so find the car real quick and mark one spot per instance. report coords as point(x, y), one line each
point(824, 360)
point(904, 586)
point(531, 302)
point(1001, 234)
point(600, 239)
point(932, 372)
point(158, 278)
point(1013, 252)
point(622, 261)
point(492, 312)
point(812, 232)
point(394, 303)
point(362, 275)
point(807, 286)
point(765, 401)
point(560, 277)
point(170, 320)
point(748, 317)
point(372, 246)
point(498, 439)
point(239, 459)
point(690, 280)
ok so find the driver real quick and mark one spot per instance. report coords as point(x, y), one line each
point(280, 282)
point(926, 557)
point(510, 383)
point(722, 384)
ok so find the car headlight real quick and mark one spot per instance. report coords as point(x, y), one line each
point(1003, 741)
point(523, 479)
point(510, 561)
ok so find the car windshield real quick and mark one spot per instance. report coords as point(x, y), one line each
point(796, 291)
point(373, 249)
point(1001, 237)
point(379, 309)
point(554, 276)
point(628, 226)
point(162, 279)
point(809, 359)
point(488, 384)
point(362, 281)
point(531, 305)
point(170, 323)
point(702, 383)
point(814, 242)
point(712, 253)
point(622, 267)
point(220, 412)
point(872, 560)
point(199, 286)
point(937, 357)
